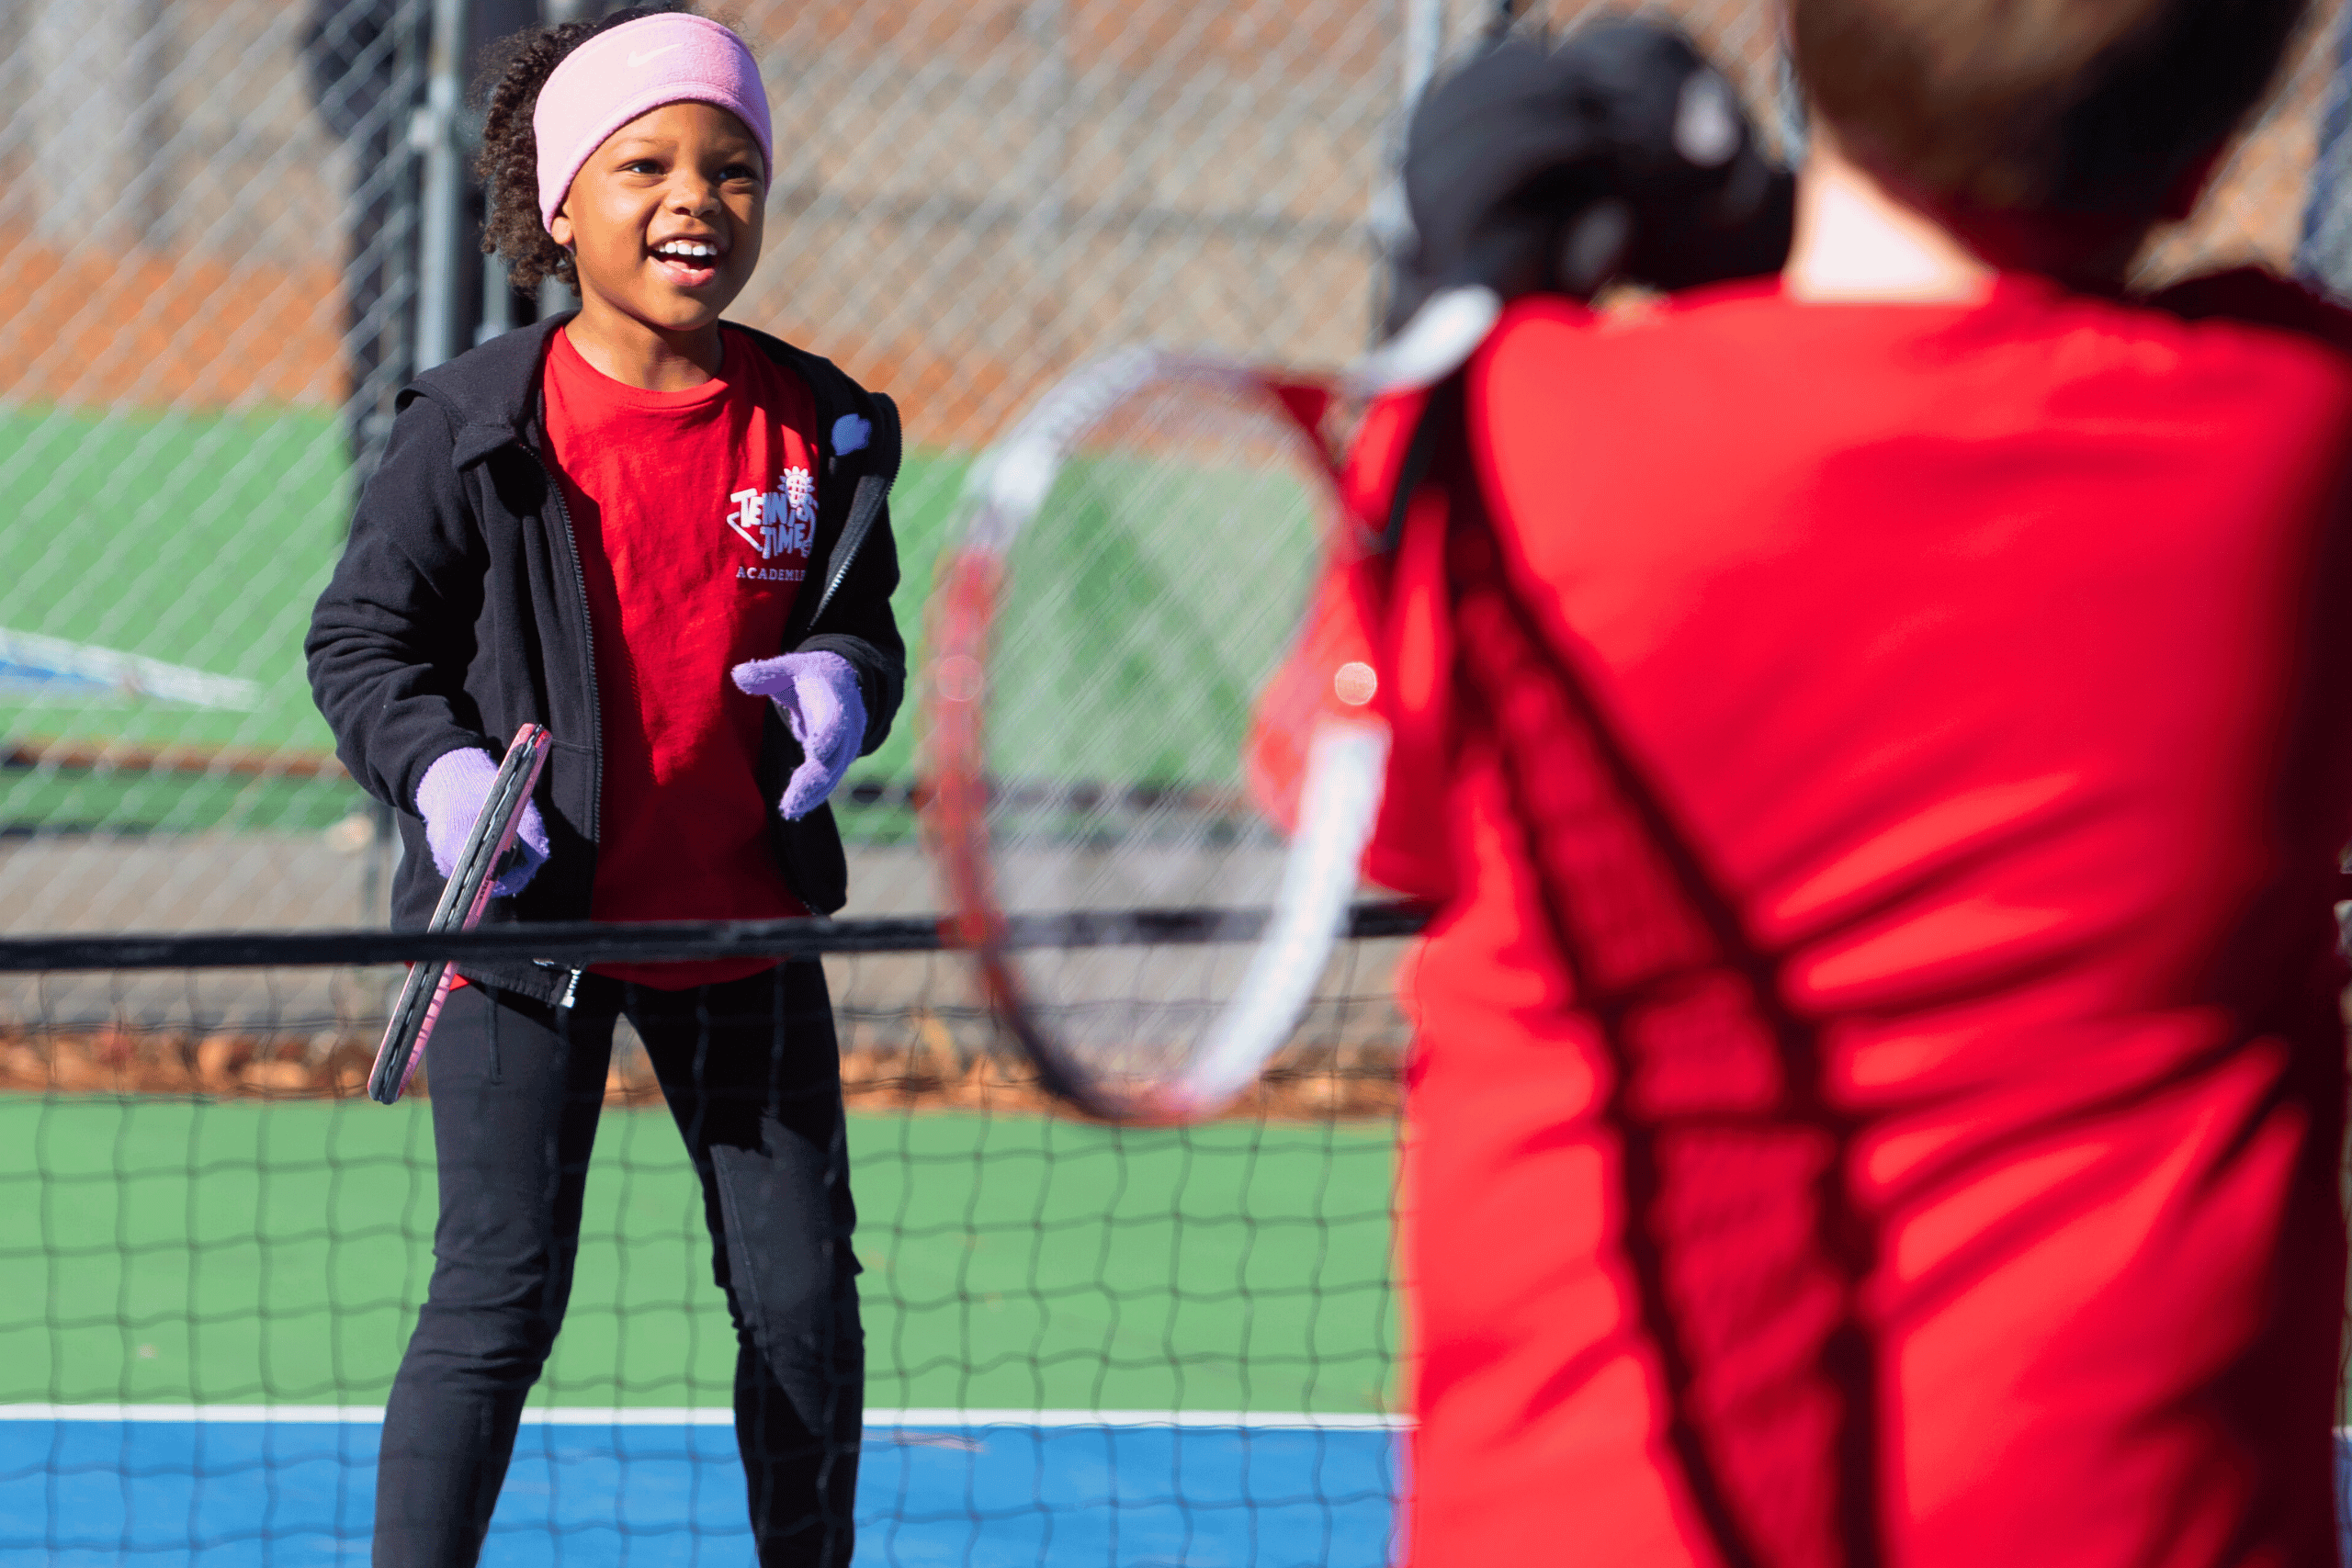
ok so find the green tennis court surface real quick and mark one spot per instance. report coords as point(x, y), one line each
point(183, 1252)
point(1085, 1344)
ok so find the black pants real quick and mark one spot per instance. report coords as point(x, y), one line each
point(753, 1081)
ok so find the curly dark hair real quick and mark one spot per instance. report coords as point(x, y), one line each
point(515, 69)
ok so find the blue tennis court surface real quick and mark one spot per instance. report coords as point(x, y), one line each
point(583, 1493)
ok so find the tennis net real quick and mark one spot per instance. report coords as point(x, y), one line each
point(1083, 1344)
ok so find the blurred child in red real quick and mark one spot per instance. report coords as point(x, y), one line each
point(1876, 740)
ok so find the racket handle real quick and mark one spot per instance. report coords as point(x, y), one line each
point(463, 900)
point(414, 1016)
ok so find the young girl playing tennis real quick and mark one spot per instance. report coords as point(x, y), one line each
point(663, 537)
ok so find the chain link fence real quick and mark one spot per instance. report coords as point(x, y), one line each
point(217, 219)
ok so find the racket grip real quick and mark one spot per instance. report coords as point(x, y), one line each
point(414, 1016)
point(463, 900)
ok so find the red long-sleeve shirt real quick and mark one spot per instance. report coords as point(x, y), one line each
point(1989, 661)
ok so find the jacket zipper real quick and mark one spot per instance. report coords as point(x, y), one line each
point(595, 698)
point(587, 643)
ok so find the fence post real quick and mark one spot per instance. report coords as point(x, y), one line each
point(554, 297)
point(2323, 250)
point(1420, 45)
point(1424, 41)
point(441, 239)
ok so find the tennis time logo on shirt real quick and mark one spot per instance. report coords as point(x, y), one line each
point(777, 522)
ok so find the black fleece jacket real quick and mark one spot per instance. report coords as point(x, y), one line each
point(458, 613)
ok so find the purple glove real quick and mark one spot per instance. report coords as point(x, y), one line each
point(449, 797)
point(816, 694)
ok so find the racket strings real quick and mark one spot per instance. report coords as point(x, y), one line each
point(1109, 620)
point(1141, 612)
point(1738, 1233)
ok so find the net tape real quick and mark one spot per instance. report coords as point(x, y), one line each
point(584, 942)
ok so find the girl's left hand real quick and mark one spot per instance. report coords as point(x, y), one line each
point(817, 695)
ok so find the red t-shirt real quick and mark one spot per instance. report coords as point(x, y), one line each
point(1991, 658)
point(694, 512)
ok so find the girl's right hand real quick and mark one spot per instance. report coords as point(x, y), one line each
point(449, 797)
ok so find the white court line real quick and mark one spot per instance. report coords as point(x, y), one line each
point(1255, 1420)
point(127, 674)
point(705, 1416)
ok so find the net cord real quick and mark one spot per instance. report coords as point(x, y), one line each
point(573, 943)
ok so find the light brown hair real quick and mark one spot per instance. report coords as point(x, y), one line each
point(2097, 107)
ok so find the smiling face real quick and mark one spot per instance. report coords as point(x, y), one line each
point(664, 219)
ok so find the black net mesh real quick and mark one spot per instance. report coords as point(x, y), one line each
point(1081, 1343)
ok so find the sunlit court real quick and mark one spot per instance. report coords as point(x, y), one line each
point(1262, 783)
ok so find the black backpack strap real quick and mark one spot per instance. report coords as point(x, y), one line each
point(1441, 416)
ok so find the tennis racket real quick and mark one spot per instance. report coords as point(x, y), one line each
point(463, 898)
point(1148, 841)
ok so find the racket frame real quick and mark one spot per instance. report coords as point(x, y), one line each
point(464, 897)
point(1339, 800)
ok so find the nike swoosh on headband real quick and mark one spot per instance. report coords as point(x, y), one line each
point(667, 57)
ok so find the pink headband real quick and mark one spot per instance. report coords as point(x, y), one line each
point(636, 68)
